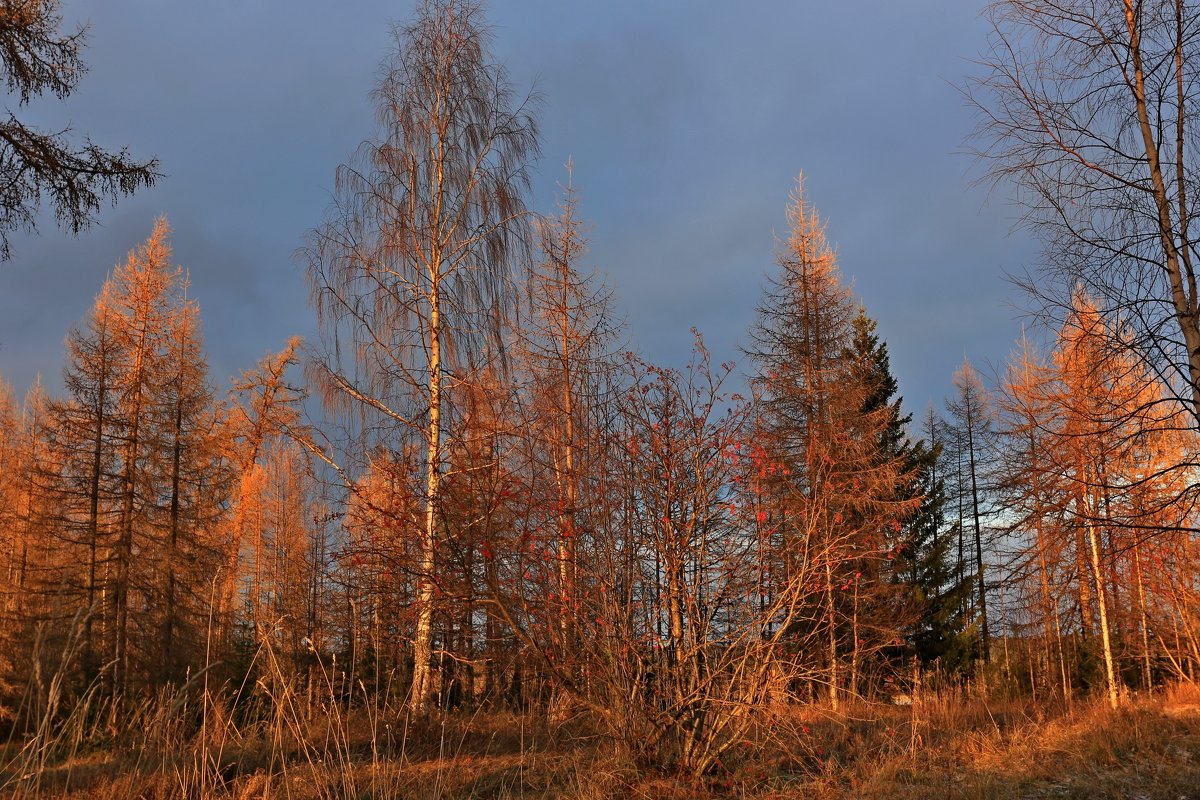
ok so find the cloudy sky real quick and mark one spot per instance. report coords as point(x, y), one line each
point(687, 120)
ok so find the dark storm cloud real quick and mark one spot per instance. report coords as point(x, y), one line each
point(687, 121)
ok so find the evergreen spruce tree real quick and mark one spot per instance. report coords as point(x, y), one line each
point(829, 424)
point(926, 598)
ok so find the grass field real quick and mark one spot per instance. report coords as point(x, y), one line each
point(943, 747)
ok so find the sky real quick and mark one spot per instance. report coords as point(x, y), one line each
point(687, 122)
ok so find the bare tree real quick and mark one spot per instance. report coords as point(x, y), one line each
point(1088, 107)
point(409, 270)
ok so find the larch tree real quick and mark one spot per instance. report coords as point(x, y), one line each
point(292, 596)
point(413, 262)
point(826, 434)
point(195, 479)
point(563, 345)
point(32, 567)
point(379, 554)
point(141, 288)
point(1092, 432)
point(12, 458)
point(971, 423)
point(30, 547)
point(36, 58)
point(1118, 435)
point(10, 462)
point(265, 408)
point(1094, 487)
point(137, 471)
point(84, 435)
point(1030, 488)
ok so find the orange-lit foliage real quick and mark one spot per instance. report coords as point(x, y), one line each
point(131, 479)
point(1098, 471)
point(836, 492)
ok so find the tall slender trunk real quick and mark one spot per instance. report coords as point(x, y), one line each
point(1087, 620)
point(982, 587)
point(960, 564)
point(1050, 625)
point(567, 533)
point(1102, 604)
point(1049, 608)
point(1065, 674)
point(832, 626)
point(93, 529)
point(1142, 617)
point(124, 557)
point(125, 542)
point(170, 612)
point(1180, 275)
point(422, 687)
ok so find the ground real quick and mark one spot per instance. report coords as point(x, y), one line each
point(942, 747)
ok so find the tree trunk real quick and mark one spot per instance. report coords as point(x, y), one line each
point(982, 586)
point(1183, 286)
point(1097, 574)
point(422, 687)
point(1142, 618)
point(832, 623)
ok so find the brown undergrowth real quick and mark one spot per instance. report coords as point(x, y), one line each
point(947, 746)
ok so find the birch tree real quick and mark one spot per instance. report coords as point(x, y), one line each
point(412, 265)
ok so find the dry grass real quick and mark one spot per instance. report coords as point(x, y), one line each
point(946, 747)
